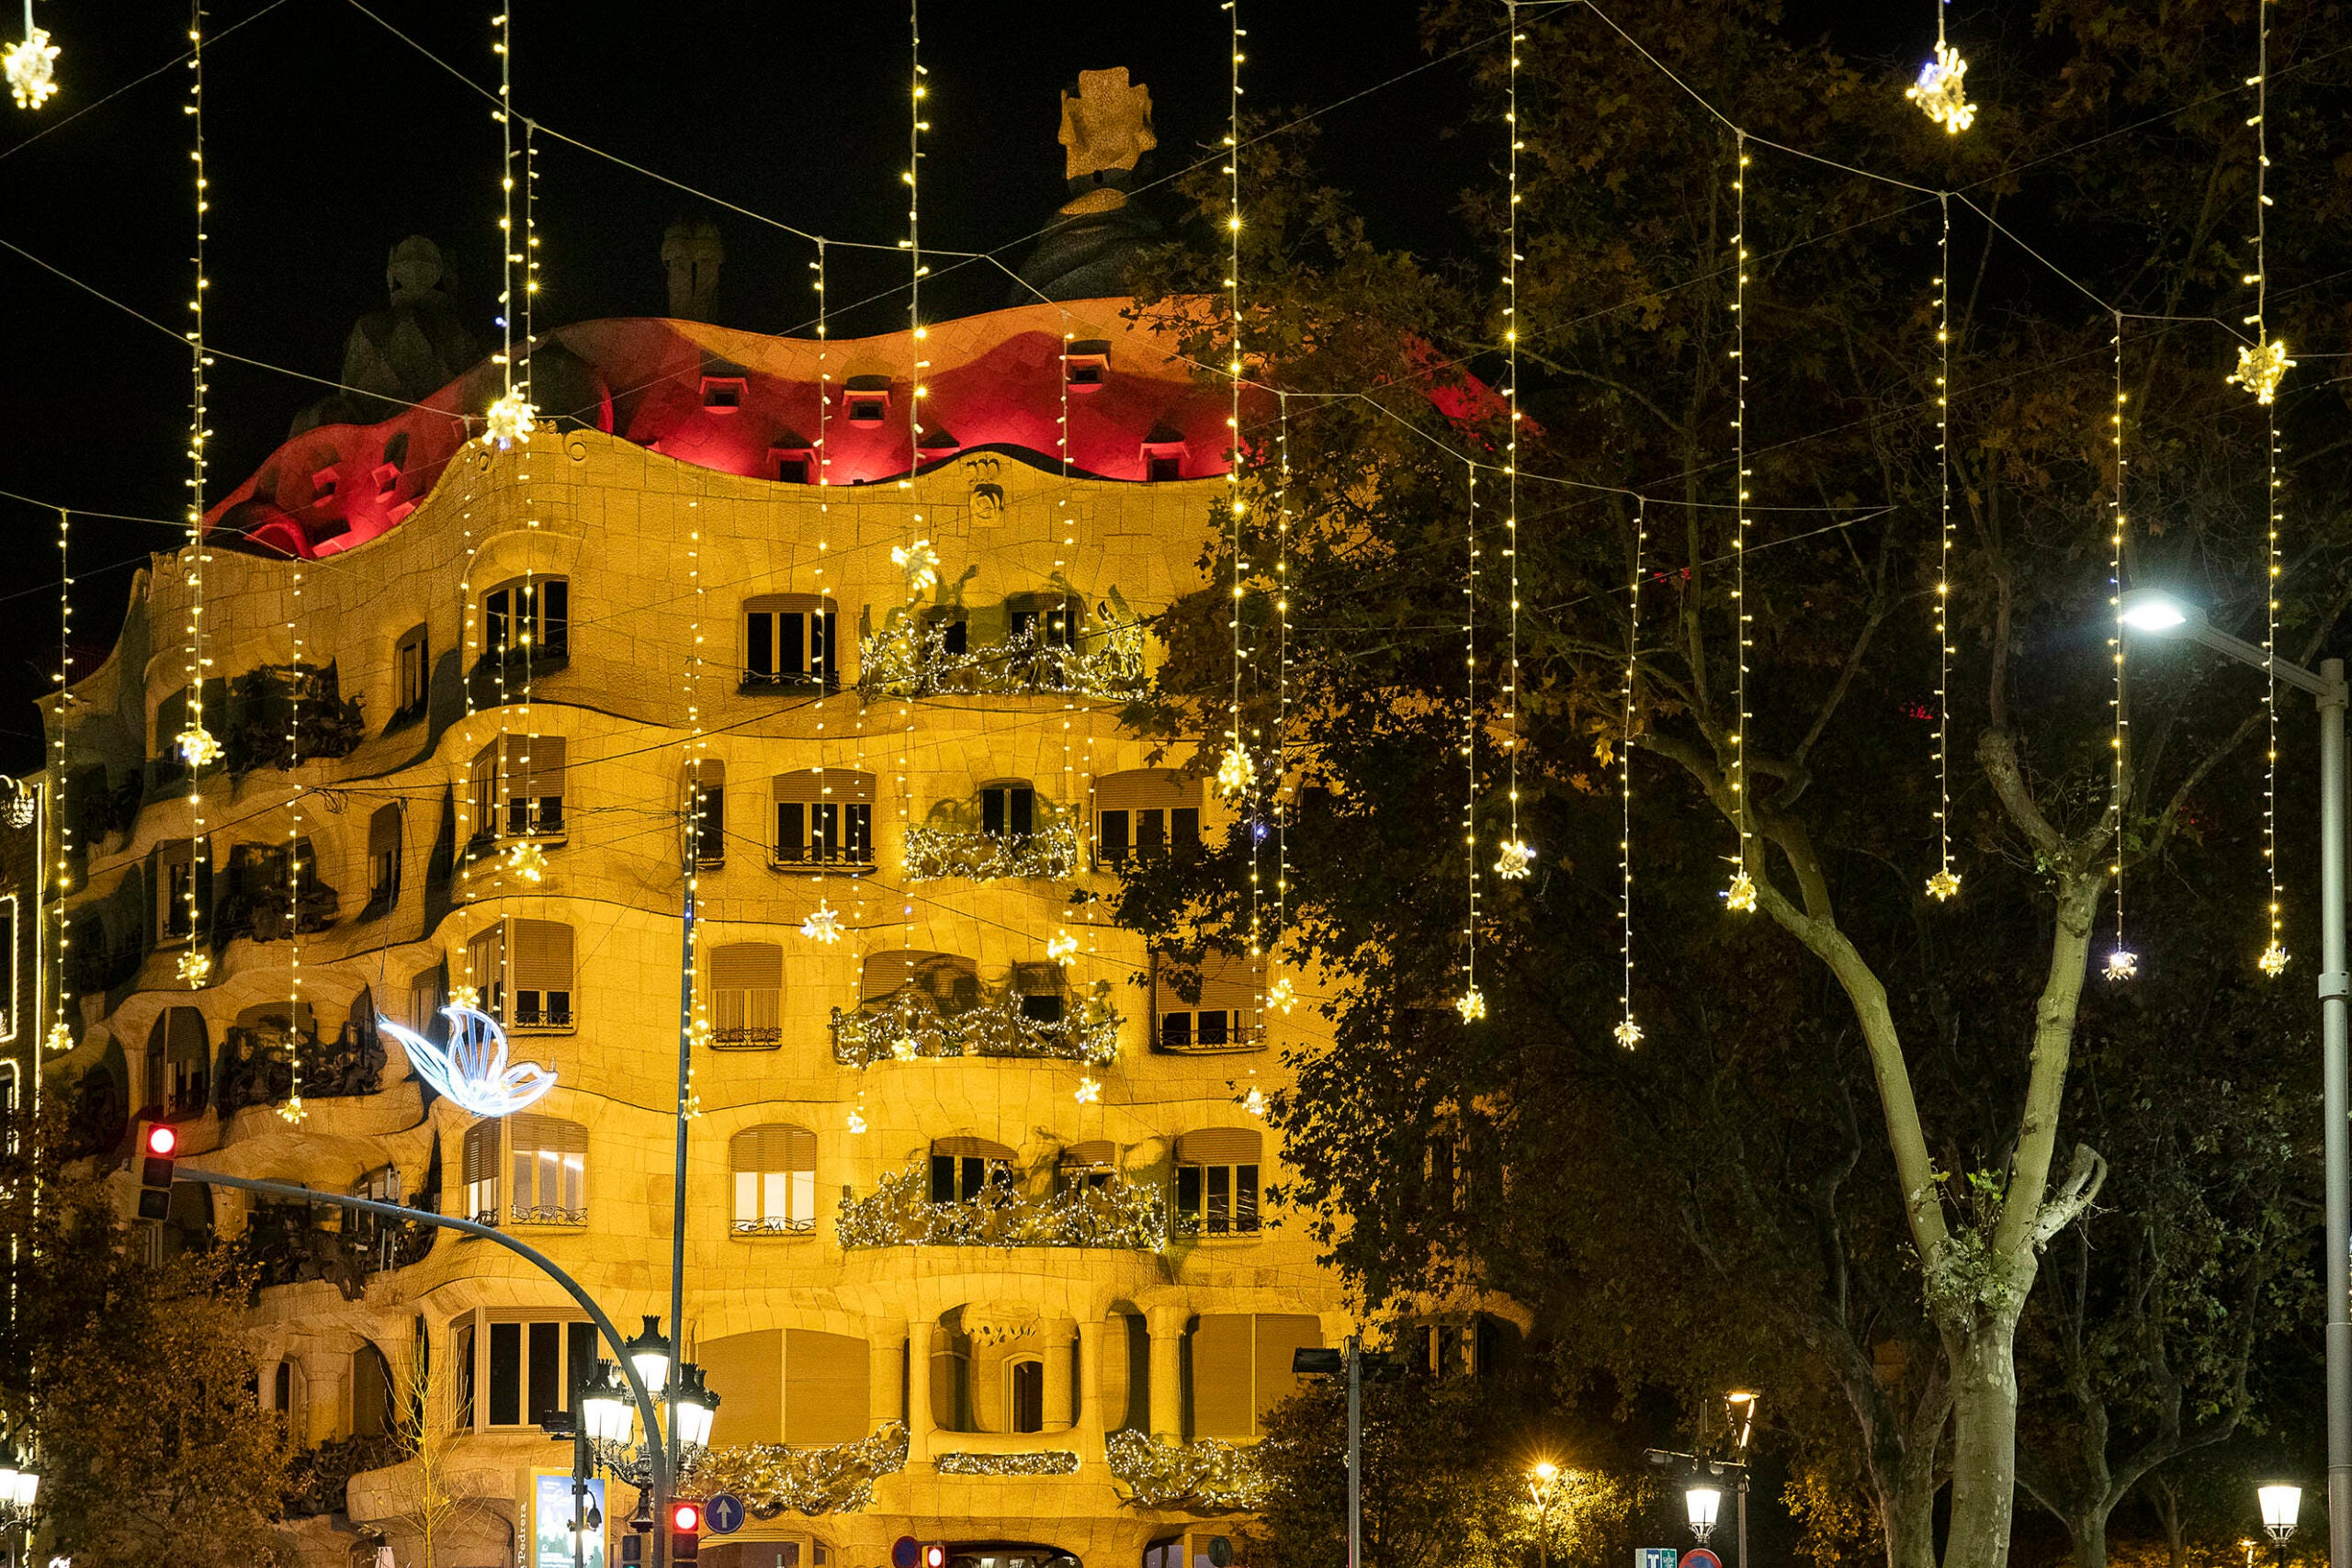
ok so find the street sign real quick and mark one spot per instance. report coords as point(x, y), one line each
point(1701, 1558)
point(723, 1514)
point(1654, 1557)
point(904, 1552)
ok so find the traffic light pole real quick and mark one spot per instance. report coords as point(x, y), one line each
point(645, 1406)
point(1355, 1453)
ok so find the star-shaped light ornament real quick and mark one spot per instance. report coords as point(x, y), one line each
point(1254, 1102)
point(1062, 949)
point(294, 1111)
point(1235, 770)
point(1090, 1092)
point(1515, 860)
point(508, 422)
point(2273, 962)
point(197, 748)
point(2261, 369)
point(465, 996)
point(856, 1122)
point(1942, 91)
point(60, 1037)
point(32, 66)
point(526, 862)
point(920, 562)
point(2122, 964)
point(472, 1072)
point(1944, 884)
point(1740, 897)
point(196, 966)
point(1628, 1034)
point(1283, 993)
point(1471, 1005)
point(823, 924)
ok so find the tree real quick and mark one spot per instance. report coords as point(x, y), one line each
point(136, 1378)
point(1785, 698)
point(425, 1428)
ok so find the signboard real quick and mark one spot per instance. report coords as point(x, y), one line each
point(723, 1515)
point(1654, 1557)
point(551, 1514)
point(1701, 1558)
point(905, 1552)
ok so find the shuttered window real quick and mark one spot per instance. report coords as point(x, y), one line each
point(788, 640)
point(1143, 812)
point(963, 1168)
point(548, 1159)
point(523, 971)
point(951, 983)
point(774, 1168)
point(1225, 1018)
point(825, 1394)
point(384, 855)
point(746, 995)
point(482, 1173)
point(823, 817)
point(1241, 1369)
point(706, 792)
point(517, 786)
point(1216, 1182)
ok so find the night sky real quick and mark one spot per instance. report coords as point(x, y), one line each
point(330, 138)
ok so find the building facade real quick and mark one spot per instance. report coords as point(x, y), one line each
point(978, 1246)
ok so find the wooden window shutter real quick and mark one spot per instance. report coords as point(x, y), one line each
point(1279, 1333)
point(971, 1148)
point(1097, 1151)
point(710, 773)
point(753, 1364)
point(1232, 982)
point(837, 786)
point(482, 1152)
point(824, 1387)
point(486, 951)
point(1146, 789)
point(535, 766)
point(774, 1146)
point(1225, 1404)
point(1219, 1146)
point(747, 965)
point(542, 955)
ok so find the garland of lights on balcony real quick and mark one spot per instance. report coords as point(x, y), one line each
point(1054, 849)
point(899, 1212)
point(1204, 1476)
point(772, 1479)
point(1048, 1462)
point(907, 1028)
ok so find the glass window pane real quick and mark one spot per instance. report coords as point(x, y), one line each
point(773, 1198)
point(759, 645)
point(1245, 1198)
point(505, 1374)
point(1220, 1203)
point(1187, 1191)
point(747, 1196)
point(804, 1198)
point(547, 1371)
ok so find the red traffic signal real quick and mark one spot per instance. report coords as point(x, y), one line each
point(935, 1555)
point(686, 1516)
point(158, 1141)
point(686, 1532)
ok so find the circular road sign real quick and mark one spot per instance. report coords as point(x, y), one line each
point(905, 1551)
point(723, 1514)
point(1701, 1558)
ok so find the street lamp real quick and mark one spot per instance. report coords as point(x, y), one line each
point(649, 1352)
point(2281, 1501)
point(1542, 1483)
point(1703, 1502)
point(2156, 612)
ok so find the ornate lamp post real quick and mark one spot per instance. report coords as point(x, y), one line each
point(1703, 1502)
point(610, 1437)
point(2282, 1501)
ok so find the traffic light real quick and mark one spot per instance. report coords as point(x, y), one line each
point(686, 1532)
point(935, 1555)
point(158, 1143)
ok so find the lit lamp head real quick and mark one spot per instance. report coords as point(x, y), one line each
point(1703, 1502)
point(2281, 1501)
point(605, 1405)
point(696, 1408)
point(649, 1352)
point(2154, 611)
point(1545, 1471)
point(1740, 1403)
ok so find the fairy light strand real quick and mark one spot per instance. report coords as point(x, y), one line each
point(2274, 958)
point(293, 1110)
point(1282, 990)
point(920, 543)
point(1236, 771)
point(508, 422)
point(1740, 897)
point(2122, 964)
point(197, 745)
point(1516, 858)
point(1472, 1005)
point(1628, 1034)
point(2262, 367)
point(1945, 883)
point(821, 925)
point(60, 1035)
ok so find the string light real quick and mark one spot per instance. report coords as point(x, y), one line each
point(61, 1034)
point(922, 562)
point(2121, 964)
point(1945, 883)
point(1740, 897)
point(293, 1110)
point(2264, 365)
point(1472, 1005)
point(509, 419)
point(1090, 1092)
point(1942, 91)
point(30, 64)
point(2274, 958)
point(1281, 994)
point(1628, 1034)
point(1235, 770)
point(822, 924)
point(1516, 858)
point(197, 745)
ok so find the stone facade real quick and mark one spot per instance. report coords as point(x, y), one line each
point(581, 749)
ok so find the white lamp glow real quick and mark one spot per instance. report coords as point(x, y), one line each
point(2282, 1501)
point(1703, 1502)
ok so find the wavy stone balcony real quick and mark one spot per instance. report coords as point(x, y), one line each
point(905, 659)
point(899, 1212)
point(1204, 1476)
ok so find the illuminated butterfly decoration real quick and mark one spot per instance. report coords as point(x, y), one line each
point(472, 1069)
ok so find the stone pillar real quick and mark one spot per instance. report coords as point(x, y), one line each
point(1056, 1334)
point(1089, 1386)
point(885, 1363)
point(919, 1392)
point(1167, 1327)
point(326, 1374)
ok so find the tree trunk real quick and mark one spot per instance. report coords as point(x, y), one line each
point(1907, 1513)
point(2090, 1538)
point(1984, 1442)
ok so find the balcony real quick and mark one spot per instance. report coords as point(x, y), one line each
point(286, 1244)
point(318, 1480)
point(771, 1478)
point(908, 660)
point(257, 1065)
point(935, 853)
point(909, 1027)
point(280, 715)
point(900, 1213)
point(496, 679)
point(1204, 1476)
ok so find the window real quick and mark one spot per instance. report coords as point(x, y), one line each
point(1043, 996)
point(746, 995)
point(482, 1173)
point(411, 676)
point(1241, 1369)
point(794, 465)
point(955, 630)
point(722, 394)
point(548, 1157)
point(533, 1367)
point(175, 891)
point(867, 399)
point(1163, 461)
point(1093, 1165)
point(1086, 364)
point(1143, 812)
point(776, 1180)
point(8, 988)
point(179, 1062)
point(523, 971)
point(1225, 1016)
point(788, 640)
point(517, 786)
point(526, 617)
point(962, 1169)
point(950, 983)
point(1046, 620)
point(384, 857)
point(1216, 1182)
point(707, 783)
point(824, 817)
point(428, 992)
point(1024, 1395)
point(1008, 810)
